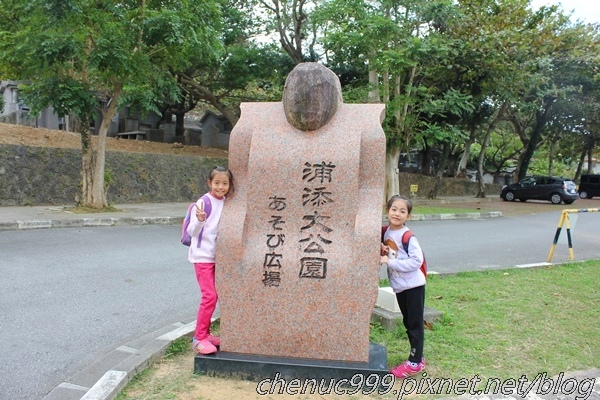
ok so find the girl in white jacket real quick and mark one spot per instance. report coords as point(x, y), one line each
point(407, 280)
point(203, 229)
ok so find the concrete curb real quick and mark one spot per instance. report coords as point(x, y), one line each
point(106, 377)
point(440, 217)
point(88, 222)
point(117, 221)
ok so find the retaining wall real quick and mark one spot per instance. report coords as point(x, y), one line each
point(51, 176)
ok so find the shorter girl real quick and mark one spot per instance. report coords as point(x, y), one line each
point(407, 280)
point(203, 230)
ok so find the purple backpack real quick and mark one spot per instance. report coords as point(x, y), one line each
point(186, 239)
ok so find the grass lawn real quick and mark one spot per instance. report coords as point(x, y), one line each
point(510, 322)
point(427, 209)
point(498, 324)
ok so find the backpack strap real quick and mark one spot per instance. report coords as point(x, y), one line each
point(405, 239)
point(207, 205)
point(185, 238)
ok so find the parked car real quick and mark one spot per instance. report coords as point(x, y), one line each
point(554, 189)
point(589, 186)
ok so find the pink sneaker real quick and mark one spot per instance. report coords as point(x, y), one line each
point(203, 346)
point(405, 370)
point(215, 340)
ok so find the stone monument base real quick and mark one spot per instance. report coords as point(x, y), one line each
point(258, 368)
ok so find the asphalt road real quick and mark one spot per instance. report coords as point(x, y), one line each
point(71, 295)
point(470, 245)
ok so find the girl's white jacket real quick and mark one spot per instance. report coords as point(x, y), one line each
point(404, 270)
point(208, 245)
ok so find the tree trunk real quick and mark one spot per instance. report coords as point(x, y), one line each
point(98, 184)
point(439, 173)
point(580, 164)
point(536, 134)
point(87, 164)
point(374, 83)
point(98, 199)
point(392, 183)
point(551, 156)
point(461, 169)
point(179, 125)
point(590, 155)
point(480, 160)
point(427, 161)
point(540, 121)
point(484, 144)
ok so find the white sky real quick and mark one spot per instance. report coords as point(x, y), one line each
point(587, 11)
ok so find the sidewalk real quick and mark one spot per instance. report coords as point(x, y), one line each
point(25, 217)
point(38, 217)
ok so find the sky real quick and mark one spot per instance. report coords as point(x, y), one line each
point(586, 10)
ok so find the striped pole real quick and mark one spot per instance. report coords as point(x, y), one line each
point(565, 217)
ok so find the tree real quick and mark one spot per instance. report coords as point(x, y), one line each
point(291, 21)
point(247, 70)
point(77, 56)
point(406, 51)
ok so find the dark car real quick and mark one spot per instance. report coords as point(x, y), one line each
point(589, 186)
point(554, 189)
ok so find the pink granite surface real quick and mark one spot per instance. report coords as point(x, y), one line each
point(298, 250)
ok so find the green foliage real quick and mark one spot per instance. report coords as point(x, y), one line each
point(178, 346)
point(501, 152)
point(540, 166)
point(66, 95)
point(109, 177)
point(444, 68)
point(64, 50)
point(497, 314)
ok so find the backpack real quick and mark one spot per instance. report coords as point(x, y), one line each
point(405, 239)
point(186, 239)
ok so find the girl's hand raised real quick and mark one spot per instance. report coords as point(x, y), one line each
point(200, 214)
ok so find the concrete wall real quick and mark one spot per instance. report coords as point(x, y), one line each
point(449, 186)
point(50, 176)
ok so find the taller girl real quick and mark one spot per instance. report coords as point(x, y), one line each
point(202, 254)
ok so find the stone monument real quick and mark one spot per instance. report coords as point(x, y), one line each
point(298, 251)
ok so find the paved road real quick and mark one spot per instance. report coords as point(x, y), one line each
point(467, 245)
point(71, 295)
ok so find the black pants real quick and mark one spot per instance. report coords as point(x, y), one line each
point(412, 306)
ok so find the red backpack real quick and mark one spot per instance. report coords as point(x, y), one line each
point(405, 239)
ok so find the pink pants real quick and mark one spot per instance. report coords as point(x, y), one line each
point(205, 274)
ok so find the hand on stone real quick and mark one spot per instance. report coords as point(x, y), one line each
point(200, 214)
